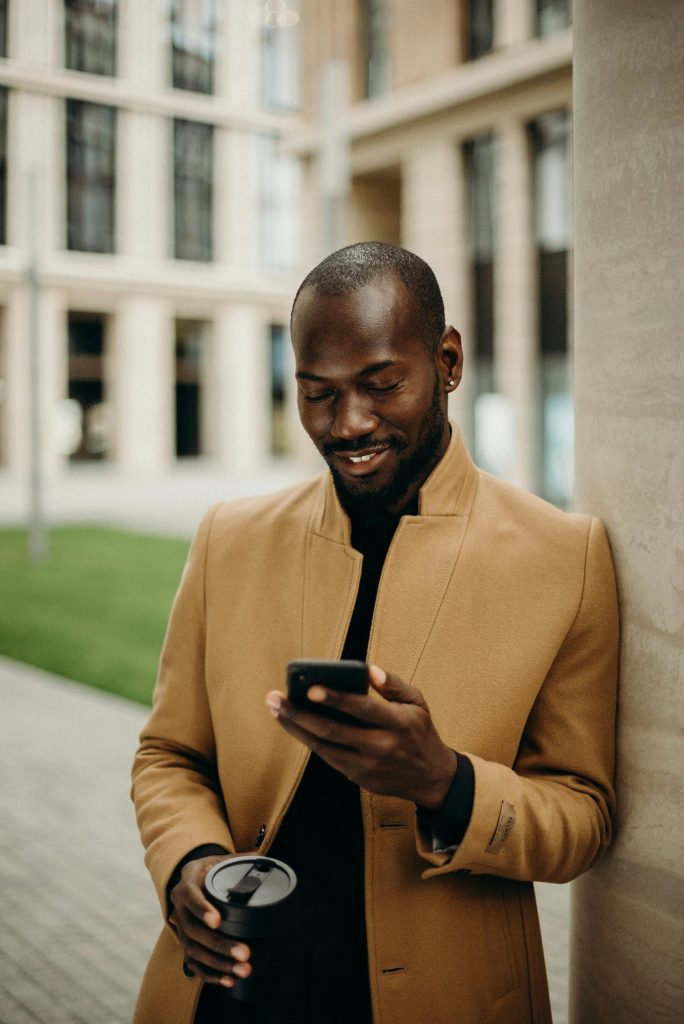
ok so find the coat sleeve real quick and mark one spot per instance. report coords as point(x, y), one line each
point(175, 788)
point(549, 816)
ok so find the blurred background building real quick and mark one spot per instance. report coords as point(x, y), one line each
point(170, 169)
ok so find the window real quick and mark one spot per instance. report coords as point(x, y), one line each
point(193, 44)
point(278, 365)
point(375, 67)
point(91, 158)
point(193, 165)
point(480, 29)
point(3, 166)
point(3, 28)
point(279, 197)
point(280, 60)
point(490, 409)
point(191, 344)
point(552, 191)
point(89, 433)
point(90, 36)
point(553, 16)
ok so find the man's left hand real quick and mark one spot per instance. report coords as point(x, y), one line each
point(395, 749)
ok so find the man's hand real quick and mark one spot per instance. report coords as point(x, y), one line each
point(210, 955)
point(394, 751)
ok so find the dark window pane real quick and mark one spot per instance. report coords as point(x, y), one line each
point(193, 44)
point(91, 157)
point(86, 389)
point(374, 52)
point(3, 28)
point(552, 219)
point(278, 365)
point(479, 163)
point(90, 36)
point(480, 28)
point(190, 355)
point(553, 16)
point(3, 166)
point(552, 226)
point(193, 146)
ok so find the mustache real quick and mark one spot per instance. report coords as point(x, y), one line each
point(361, 445)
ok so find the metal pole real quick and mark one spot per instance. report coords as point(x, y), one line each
point(37, 535)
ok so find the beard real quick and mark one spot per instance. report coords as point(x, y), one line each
point(363, 499)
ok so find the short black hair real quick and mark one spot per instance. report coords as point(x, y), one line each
point(346, 270)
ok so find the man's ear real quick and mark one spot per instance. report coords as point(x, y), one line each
point(450, 358)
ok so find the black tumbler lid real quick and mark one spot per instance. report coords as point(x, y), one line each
point(257, 883)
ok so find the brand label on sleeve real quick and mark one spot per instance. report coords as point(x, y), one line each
point(503, 827)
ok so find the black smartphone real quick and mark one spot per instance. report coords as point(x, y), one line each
point(347, 676)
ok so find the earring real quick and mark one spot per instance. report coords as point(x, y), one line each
point(451, 383)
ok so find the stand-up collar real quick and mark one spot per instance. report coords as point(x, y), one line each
point(448, 491)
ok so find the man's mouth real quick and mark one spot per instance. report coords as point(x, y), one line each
point(363, 458)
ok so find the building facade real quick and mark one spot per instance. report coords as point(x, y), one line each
point(149, 231)
point(444, 126)
point(159, 162)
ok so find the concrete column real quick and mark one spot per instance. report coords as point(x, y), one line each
point(513, 22)
point(144, 199)
point(144, 61)
point(141, 372)
point(243, 384)
point(515, 330)
point(628, 924)
point(434, 225)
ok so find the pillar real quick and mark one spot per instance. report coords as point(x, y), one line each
point(515, 329)
point(242, 388)
point(628, 925)
point(434, 225)
point(142, 379)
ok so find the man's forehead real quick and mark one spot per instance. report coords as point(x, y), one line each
point(381, 299)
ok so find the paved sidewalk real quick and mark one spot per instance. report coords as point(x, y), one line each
point(79, 915)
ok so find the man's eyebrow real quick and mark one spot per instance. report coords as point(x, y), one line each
point(374, 368)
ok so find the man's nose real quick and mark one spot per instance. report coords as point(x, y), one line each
point(354, 417)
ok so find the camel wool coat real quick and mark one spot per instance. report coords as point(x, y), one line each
point(502, 610)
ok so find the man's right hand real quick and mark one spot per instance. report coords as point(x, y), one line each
point(210, 955)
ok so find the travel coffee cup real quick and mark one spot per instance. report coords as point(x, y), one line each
point(256, 899)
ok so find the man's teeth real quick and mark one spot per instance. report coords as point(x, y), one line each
point(362, 458)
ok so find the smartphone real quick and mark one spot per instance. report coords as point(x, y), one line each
point(347, 676)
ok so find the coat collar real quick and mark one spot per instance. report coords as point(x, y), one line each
point(448, 491)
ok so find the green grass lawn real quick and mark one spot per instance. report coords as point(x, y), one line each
point(95, 610)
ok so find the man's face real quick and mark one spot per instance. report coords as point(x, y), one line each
point(371, 397)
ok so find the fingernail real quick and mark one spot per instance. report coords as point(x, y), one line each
point(316, 693)
point(227, 982)
point(273, 704)
point(380, 675)
point(240, 953)
point(242, 970)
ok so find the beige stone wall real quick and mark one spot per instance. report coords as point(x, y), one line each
point(426, 39)
point(629, 391)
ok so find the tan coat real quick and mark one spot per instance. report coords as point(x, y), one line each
point(502, 610)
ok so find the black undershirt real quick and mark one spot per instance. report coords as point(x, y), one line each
point(325, 968)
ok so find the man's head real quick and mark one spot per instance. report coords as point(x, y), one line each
point(375, 364)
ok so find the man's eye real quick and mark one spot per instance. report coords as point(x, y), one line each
point(317, 398)
point(382, 388)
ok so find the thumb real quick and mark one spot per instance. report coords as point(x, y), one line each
point(393, 688)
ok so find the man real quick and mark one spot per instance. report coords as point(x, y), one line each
point(482, 758)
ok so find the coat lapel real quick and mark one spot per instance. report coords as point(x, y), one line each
point(332, 570)
point(421, 561)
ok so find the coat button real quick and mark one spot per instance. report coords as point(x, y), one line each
point(259, 837)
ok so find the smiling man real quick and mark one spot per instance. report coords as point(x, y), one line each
point(482, 757)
